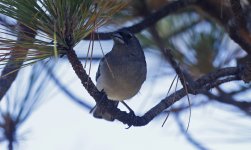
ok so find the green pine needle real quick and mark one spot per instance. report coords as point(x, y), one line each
point(52, 21)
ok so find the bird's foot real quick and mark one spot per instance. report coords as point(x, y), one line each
point(131, 113)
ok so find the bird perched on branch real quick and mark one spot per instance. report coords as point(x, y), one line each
point(122, 71)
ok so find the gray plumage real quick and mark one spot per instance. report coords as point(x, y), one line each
point(122, 71)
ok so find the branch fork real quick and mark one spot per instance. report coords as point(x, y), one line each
point(204, 83)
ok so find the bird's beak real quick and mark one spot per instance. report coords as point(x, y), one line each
point(117, 38)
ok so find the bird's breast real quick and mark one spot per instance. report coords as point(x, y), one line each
point(123, 79)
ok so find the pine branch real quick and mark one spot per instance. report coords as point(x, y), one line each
point(203, 84)
point(149, 20)
point(11, 69)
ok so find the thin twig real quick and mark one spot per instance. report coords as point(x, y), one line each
point(168, 112)
point(189, 103)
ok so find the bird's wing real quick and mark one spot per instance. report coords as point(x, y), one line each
point(98, 72)
point(100, 64)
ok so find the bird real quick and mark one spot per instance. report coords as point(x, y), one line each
point(122, 71)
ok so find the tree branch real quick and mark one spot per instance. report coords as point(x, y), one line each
point(187, 80)
point(203, 84)
point(206, 82)
point(225, 98)
point(82, 75)
point(239, 33)
point(11, 69)
point(148, 21)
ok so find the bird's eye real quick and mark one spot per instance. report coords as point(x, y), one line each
point(128, 35)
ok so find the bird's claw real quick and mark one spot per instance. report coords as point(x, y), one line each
point(131, 116)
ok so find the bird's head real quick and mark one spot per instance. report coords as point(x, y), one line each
point(124, 37)
point(125, 42)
